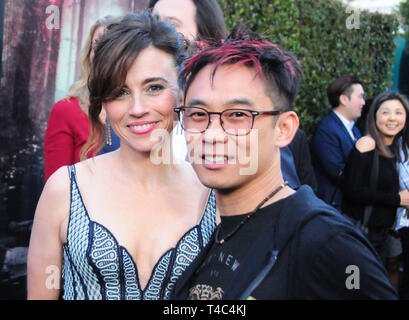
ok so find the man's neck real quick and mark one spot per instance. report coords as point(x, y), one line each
point(340, 112)
point(248, 196)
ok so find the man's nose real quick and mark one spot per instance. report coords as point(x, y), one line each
point(214, 132)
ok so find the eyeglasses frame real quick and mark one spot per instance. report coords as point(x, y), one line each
point(254, 114)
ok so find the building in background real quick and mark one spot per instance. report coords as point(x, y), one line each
point(38, 65)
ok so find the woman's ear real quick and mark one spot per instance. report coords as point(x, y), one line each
point(103, 113)
point(286, 128)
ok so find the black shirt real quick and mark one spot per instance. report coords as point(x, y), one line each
point(321, 256)
point(226, 259)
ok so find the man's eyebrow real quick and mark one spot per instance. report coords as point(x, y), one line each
point(195, 102)
point(240, 101)
point(235, 101)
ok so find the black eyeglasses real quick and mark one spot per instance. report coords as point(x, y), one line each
point(237, 122)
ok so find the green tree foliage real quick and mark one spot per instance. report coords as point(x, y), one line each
point(318, 34)
point(404, 12)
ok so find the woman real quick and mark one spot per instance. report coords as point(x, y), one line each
point(386, 122)
point(68, 126)
point(132, 225)
point(194, 20)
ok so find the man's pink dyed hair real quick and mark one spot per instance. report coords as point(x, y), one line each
point(279, 67)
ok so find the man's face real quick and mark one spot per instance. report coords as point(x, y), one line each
point(223, 161)
point(355, 103)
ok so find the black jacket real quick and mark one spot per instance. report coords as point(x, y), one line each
point(304, 254)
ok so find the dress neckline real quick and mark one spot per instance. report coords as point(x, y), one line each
point(121, 247)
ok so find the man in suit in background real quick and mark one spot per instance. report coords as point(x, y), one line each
point(335, 136)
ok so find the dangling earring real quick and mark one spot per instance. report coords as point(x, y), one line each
point(107, 133)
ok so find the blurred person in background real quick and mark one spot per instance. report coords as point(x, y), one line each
point(371, 180)
point(68, 124)
point(335, 136)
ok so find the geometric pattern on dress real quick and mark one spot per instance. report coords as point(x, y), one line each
point(105, 258)
point(132, 291)
point(154, 287)
point(95, 266)
point(190, 245)
point(87, 284)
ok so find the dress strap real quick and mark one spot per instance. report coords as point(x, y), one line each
point(71, 171)
point(77, 206)
point(208, 222)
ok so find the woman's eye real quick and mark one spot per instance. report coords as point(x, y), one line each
point(155, 88)
point(122, 93)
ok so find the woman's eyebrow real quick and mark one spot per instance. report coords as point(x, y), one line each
point(153, 79)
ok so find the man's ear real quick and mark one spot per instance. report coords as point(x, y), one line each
point(343, 99)
point(286, 126)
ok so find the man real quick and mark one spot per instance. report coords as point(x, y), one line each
point(272, 242)
point(302, 159)
point(336, 135)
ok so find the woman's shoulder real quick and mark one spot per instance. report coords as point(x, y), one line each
point(66, 110)
point(365, 144)
point(59, 180)
point(94, 166)
point(56, 192)
point(67, 104)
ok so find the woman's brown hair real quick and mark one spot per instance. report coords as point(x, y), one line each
point(115, 53)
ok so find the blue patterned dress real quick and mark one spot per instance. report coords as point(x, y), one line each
point(96, 267)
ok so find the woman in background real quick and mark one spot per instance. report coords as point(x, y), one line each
point(387, 123)
point(68, 124)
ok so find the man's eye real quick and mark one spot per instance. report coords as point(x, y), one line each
point(237, 114)
point(173, 23)
point(198, 114)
